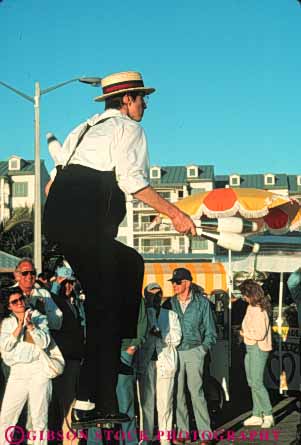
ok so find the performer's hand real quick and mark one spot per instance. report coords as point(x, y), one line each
point(183, 224)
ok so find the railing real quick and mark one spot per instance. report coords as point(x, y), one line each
point(161, 250)
point(140, 205)
point(143, 227)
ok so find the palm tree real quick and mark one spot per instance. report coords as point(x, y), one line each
point(16, 233)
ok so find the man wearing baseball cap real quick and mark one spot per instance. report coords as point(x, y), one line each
point(198, 335)
point(103, 159)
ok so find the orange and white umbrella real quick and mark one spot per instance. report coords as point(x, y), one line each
point(270, 211)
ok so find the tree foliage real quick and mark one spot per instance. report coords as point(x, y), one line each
point(16, 233)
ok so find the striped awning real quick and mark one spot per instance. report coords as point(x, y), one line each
point(210, 276)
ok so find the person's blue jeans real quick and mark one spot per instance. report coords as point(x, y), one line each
point(125, 397)
point(255, 361)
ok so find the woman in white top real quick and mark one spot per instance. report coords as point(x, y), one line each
point(257, 336)
point(24, 332)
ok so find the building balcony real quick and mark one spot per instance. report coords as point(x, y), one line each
point(144, 227)
point(160, 250)
point(139, 205)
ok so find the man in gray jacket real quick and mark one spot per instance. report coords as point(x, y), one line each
point(198, 335)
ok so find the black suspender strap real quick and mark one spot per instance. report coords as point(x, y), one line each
point(84, 131)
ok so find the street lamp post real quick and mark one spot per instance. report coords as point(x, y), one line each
point(94, 81)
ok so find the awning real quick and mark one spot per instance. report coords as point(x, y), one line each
point(8, 262)
point(208, 275)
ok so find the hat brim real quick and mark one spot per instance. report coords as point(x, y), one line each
point(120, 92)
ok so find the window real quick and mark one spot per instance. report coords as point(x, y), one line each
point(14, 164)
point(182, 243)
point(234, 180)
point(199, 190)
point(155, 173)
point(20, 189)
point(192, 171)
point(155, 245)
point(299, 180)
point(165, 195)
point(199, 244)
point(269, 179)
point(180, 194)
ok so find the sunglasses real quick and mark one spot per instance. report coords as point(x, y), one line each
point(24, 273)
point(17, 300)
point(177, 282)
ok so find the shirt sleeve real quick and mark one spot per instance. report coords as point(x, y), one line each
point(40, 333)
point(210, 328)
point(53, 313)
point(7, 340)
point(131, 160)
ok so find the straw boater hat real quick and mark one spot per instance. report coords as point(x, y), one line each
point(118, 83)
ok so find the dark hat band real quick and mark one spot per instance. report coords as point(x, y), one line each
point(123, 86)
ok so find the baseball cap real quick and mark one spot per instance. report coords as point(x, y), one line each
point(181, 274)
point(152, 286)
point(65, 272)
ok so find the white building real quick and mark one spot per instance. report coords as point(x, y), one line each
point(17, 184)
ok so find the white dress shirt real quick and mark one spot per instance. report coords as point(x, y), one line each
point(118, 143)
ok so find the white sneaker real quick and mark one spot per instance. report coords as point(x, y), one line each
point(268, 422)
point(253, 421)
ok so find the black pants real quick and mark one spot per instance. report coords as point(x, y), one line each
point(82, 214)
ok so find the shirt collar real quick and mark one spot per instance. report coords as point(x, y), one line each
point(190, 297)
point(111, 112)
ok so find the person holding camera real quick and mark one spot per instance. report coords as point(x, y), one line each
point(157, 362)
point(24, 332)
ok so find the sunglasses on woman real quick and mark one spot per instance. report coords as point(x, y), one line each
point(17, 300)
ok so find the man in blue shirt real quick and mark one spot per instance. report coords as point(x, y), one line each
point(198, 335)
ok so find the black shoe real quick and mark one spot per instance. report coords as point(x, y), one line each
point(81, 419)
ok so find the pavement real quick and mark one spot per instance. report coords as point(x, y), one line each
point(287, 415)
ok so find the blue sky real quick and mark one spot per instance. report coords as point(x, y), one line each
point(227, 75)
